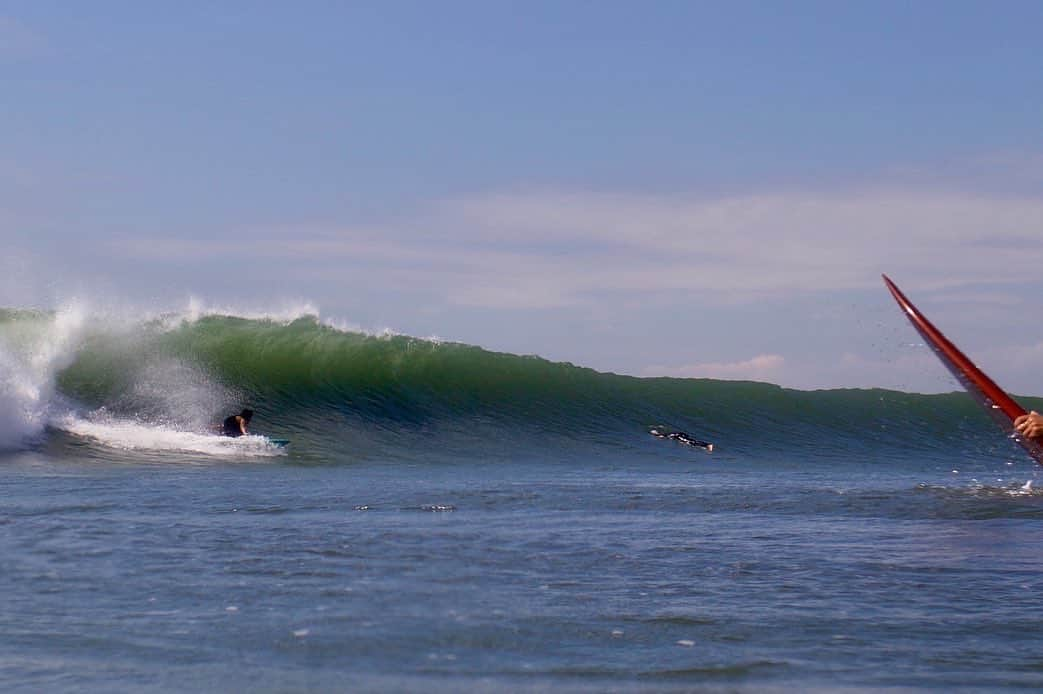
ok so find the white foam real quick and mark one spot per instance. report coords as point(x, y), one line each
point(137, 436)
point(31, 356)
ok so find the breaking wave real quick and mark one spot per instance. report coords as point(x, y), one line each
point(138, 383)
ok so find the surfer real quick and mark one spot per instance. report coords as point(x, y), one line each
point(681, 437)
point(1030, 425)
point(237, 423)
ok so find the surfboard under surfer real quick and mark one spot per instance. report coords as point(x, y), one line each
point(681, 437)
point(236, 425)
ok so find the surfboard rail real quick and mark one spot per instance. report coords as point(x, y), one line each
point(1002, 408)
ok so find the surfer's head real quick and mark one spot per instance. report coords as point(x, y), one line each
point(247, 414)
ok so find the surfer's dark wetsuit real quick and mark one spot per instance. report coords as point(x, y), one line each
point(680, 437)
point(236, 424)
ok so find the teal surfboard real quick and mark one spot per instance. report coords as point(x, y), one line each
point(279, 442)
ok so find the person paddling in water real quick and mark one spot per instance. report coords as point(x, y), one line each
point(236, 425)
point(1030, 425)
point(661, 432)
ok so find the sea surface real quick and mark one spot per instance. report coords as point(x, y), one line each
point(450, 519)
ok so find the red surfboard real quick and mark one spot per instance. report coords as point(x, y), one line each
point(1000, 406)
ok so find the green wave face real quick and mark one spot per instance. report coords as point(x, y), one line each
point(312, 382)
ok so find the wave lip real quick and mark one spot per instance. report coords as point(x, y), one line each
point(34, 348)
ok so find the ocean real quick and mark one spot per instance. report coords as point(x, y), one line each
point(451, 519)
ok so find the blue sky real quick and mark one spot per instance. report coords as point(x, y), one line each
point(664, 188)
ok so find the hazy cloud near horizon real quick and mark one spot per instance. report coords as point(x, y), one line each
point(563, 249)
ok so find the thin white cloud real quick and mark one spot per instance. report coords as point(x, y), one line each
point(779, 241)
point(548, 249)
point(763, 367)
point(916, 370)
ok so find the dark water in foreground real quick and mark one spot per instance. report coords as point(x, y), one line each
point(659, 569)
point(448, 520)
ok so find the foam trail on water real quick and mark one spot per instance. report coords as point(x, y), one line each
point(137, 436)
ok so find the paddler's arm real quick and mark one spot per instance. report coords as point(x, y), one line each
point(1030, 425)
point(242, 424)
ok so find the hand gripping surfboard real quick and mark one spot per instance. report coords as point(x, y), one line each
point(1000, 406)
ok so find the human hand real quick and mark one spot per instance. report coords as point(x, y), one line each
point(1029, 425)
